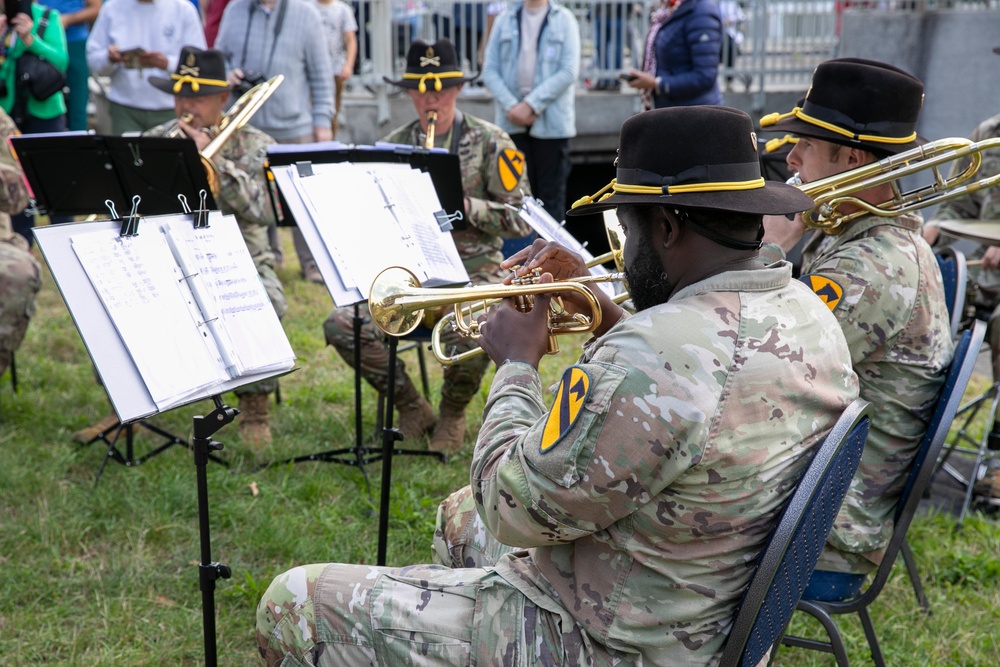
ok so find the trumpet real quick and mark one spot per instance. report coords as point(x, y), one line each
point(397, 303)
point(432, 117)
point(834, 192)
point(462, 319)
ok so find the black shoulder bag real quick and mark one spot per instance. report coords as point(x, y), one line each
point(38, 76)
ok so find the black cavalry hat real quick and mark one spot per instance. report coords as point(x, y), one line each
point(431, 65)
point(199, 72)
point(694, 157)
point(857, 103)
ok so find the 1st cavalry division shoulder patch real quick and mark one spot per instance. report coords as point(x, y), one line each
point(510, 164)
point(570, 398)
point(826, 289)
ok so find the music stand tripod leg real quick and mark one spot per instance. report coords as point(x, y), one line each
point(980, 455)
point(208, 571)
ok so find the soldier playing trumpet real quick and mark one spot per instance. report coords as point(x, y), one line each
point(493, 176)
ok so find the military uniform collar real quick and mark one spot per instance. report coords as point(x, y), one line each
point(771, 277)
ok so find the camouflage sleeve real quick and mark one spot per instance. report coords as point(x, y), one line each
point(771, 253)
point(506, 178)
point(242, 186)
point(982, 204)
point(545, 477)
point(13, 189)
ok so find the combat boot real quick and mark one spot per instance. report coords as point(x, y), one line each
point(254, 426)
point(416, 416)
point(450, 430)
point(104, 427)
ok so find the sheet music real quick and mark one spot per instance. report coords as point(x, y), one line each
point(414, 200)
point(147, 299)
point(364, 230)
point(248, 329)
point(551, 230)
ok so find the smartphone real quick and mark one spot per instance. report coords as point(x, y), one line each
point(14, 7)
point(627, 76)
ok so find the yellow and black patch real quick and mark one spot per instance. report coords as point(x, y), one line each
point(510, 164)
point(570, 398)
point(825, 288)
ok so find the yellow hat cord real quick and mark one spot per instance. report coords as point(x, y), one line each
point(774, 144)
point(436, 76)
point(773, 118)
point(621, 188)
point(195, 82)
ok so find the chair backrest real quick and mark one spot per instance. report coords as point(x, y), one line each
point(962, 364)
point(789, 557)
point(954, 274)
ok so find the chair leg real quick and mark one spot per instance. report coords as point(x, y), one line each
point(866, 623)
point(911, 569)
point(836, 643)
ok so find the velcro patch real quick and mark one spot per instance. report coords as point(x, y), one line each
point(570, 398)
point(825, 288)
point(510, 165)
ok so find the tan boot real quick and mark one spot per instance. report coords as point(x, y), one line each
point(91, 433)
point(416, 416)
point(989, 485)
point(450, 431)
point(254, 427)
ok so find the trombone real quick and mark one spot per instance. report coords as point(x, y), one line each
point(832, 193)
point(236, 117)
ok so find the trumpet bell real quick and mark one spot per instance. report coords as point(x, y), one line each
point(385, 301)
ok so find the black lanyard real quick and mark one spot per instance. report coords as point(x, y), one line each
point(279, 21)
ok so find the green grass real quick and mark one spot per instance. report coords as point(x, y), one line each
point(107, 575)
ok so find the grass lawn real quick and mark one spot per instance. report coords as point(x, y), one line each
point(106, 574)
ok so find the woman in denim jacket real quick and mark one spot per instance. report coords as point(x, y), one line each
point(533, 81)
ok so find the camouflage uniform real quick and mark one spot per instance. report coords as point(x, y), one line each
point(981, 205)
point(20, 274)
point(243, 193)
point(883, 284)
point(642, 497)
point(480, 150)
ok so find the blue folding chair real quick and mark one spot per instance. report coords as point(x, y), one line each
point(919, 477)
point(955, 277)
point(795, 544)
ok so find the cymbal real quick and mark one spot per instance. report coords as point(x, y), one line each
point(986, 232)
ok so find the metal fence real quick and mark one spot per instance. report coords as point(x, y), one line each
point(770, 43)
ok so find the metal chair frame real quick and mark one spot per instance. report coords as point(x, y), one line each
point(795, 544)
point(919, 477)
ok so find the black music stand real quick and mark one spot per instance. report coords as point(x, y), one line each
point(110, 173)
point(76, 174)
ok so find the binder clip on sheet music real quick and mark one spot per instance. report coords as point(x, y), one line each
point(175, 298)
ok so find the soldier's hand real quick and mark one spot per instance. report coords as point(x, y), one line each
point(202, 137)
point(154, 59)
point(991, 258)
point(506, 333)
point(783, 232)
point(550, 257)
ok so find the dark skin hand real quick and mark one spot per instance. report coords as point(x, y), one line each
point(506, 333)
point(563, 264)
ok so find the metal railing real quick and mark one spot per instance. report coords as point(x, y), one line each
point(772, 43)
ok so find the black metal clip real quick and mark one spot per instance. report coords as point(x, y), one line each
point(130, 225)
point(304, 168)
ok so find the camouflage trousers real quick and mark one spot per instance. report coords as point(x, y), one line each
point(461, 381)
point(460, 536)
point(422, 615)
point(276, 293)
point(20, 280)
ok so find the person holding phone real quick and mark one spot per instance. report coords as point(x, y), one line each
point(30, 28)
point(681, 61)
point(133, 40)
